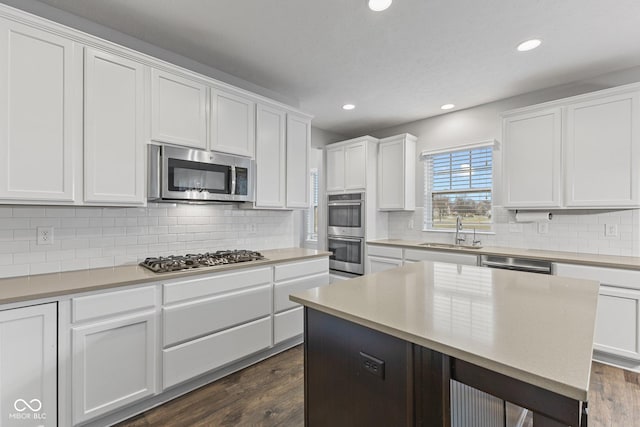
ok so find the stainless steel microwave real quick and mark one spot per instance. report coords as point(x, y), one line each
point(189, 175)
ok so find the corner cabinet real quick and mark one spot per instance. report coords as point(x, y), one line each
point(532, 159)
point(40, 114)
point(114, 146)
point(28, 372)
point(397, 173)
point(233, 119)
point(178, 110)
point(576, 153)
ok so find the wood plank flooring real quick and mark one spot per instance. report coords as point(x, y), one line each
point(270, 393)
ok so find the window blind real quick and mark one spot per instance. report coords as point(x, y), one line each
point(458, 183)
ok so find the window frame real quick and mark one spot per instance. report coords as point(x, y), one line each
point(427, 219)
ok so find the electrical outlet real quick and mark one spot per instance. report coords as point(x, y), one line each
point(372, 365)
point(253, 229)
point(45, 235)
point(611, 230)
point(543, 227)
point(410, 224)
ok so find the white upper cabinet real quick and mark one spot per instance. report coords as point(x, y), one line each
point(351, 165)
point(355, 166)
point(397, 173)
point(233, 120)
point(603, 151)
point(270, 157)
point(532, 159)
point(178, 110)
point(113, 144)
point(298, 143)
point(580, 152)
point(335, 168)
point(40, 114)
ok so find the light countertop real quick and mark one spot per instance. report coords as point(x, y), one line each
point(535, 328)
point(626, 262)
point(25, 288)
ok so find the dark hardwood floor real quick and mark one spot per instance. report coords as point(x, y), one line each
point(270, 393)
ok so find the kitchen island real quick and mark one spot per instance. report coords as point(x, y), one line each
point(381, 349)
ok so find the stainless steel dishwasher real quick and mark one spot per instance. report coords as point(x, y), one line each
point(517, 264)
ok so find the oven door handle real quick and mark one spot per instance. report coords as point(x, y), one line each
point(344, 239)
point(345, 204)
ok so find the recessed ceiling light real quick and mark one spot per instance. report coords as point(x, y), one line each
point(447, 107)
point(529, 45)
point(348, 107)
point(379, 5)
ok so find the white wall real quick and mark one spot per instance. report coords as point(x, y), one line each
point(575, 231)
point(103, 237)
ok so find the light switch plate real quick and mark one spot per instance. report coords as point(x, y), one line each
point(543, 227)
point(611, 230)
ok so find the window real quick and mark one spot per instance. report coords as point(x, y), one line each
point(311, 220)
point(458, 183)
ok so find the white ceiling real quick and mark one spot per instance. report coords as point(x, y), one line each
point(396, 66)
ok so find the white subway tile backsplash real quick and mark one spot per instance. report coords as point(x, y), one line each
point(86, 237)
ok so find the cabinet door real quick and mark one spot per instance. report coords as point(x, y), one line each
point(532, 159)
point(178, 110)
point(113, 143)
point(28, 366)
point(381, 264)
point(270, 158)
point(602, 152)
point(232, 124)
point(355, 166)
point(298, 142)
point(617, 327)
point(397, 173)
point(114, 364)
point(38, 114)
point(335, 169)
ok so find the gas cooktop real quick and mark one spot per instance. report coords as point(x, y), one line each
point(189, 261)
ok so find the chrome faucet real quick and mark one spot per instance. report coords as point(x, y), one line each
point(459, 238)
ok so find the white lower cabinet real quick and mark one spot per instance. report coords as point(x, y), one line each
point(113, 351)
point(213, 320)
point(28, 371)
point(381, 258)
point(618, 318)
point(288, 279)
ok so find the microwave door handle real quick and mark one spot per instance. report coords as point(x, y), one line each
point(233, 180)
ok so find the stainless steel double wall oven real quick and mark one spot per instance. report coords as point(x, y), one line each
point(346, 232)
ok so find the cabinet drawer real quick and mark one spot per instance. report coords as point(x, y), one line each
point(198, 318)
point(186, 361)
point(215, 284)
point(303, 268)
point(283, 289)
point(440, 256)
point(384, 251)
point(611, 276)
point(111, 303)
point(288, 324)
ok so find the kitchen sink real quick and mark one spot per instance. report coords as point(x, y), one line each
point(447, 246)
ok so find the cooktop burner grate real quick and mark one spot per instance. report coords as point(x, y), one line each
point(209, 259)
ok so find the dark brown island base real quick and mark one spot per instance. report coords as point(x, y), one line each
point(381, 350)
